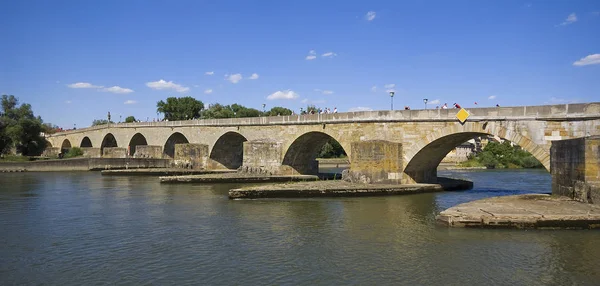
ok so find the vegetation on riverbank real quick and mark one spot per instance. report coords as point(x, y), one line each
point(497, 155)
point(20, 129)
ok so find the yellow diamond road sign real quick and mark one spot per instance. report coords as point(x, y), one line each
point(462, 115)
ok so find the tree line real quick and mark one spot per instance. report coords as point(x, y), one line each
point(496, 155)
point(20, 129)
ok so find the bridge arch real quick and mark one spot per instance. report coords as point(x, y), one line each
point(426, 154)
point(65, 146)
point(301, 154)
point(136, 140)
point(86, 142)
point(175, 138)
point(108, 141)
point(228, 151)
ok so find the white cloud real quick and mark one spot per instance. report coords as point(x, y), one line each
point(389, 86)
point(209, 73)
point(435, 101)
point(360, 108)
point(572, 18)
point(162, 84)
point(327, 92)
point(286, 94)
point(84, 85)
point(117, 89)
point(253, 76)
point(374, 88)
point(370, 15)
point(234, 78)
point(208, 91)
point(492, 97)
point(589, 60)
point(312, 54)
point(329, 55)
point(130, 102)
point(304, 100)
point(68, 102)
point(390, 90)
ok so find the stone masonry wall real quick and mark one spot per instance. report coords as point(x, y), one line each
point(148, 151)
point(375, 161)
point(575, 168)
point(191, 156)
point(114, 152)
point(262, 156)
point(91, 152)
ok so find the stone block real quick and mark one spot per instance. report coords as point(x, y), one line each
point(376, 161)
point(191, 156)
point(264, 156)
point(91, 152)
point(148, 151)
point(51, 152)
point(575, 168)
point(114, 152)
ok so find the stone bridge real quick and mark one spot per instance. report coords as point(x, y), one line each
point(383, 146)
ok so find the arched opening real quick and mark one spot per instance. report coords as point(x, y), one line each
point(108, 141)
point(48, 144)
point(86, 142)
point(175, 138)
point(229, 150)
point(65, 146)
point(422, 167)
point(137, 139)
point(301, 155)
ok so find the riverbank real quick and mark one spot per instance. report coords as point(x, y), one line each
point(237, 177)
point(344, 189)
point(162, 172)
point(539, 211)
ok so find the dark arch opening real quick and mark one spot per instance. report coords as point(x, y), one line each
point(302, 154)
point(86, 142)
point(108, 141)
point(65, 146)
point(175, 138)
point(48, 144)
point(137, 139)
point(422, 168)
point(229, 150)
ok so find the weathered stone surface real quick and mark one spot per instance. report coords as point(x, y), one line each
point(161, 172)
point(114, 152)
point(148, 151)
point(262, 156)
point(51, 152)
point(91, 152)
point(575, 168)
point(375, 162)
point(191, 156)
point(236, 178)
point(523, 211)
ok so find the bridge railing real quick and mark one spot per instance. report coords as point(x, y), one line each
point(543, 112)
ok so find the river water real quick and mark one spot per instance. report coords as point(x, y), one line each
point(82, 228)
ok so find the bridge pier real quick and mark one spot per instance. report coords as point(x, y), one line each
point(575, 168)
point(91, 152)
point(193, 156)
point(147, 151)
point(376, 161)
point(263, 156)
point(114, 152)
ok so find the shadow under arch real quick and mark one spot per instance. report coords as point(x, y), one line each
point(422, 163)
point(228, 151)
point(65, 146)
point(137, 139)
point(86, 142)
point(301, 154)
point(175, 138)
point(108, 142)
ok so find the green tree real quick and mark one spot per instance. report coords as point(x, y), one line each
point(310, 108)
point(74, 152)
point(19, 128)
point(278, 110)
point(218, 111)
point(332, 149)
point(100, 122)
point(130, 119)
point(180, 108)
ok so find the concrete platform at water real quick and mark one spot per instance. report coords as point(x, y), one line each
point(237, 177)
point(523, 211)
point(339, 188)
point(162, 172)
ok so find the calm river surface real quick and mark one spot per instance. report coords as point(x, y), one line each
point(82, 228)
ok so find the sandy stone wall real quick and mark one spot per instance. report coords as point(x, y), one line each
point(376, 161)
point(114, 152)
point(91, 152)
point(191, 156)
point(148, 151)
point(575, 168)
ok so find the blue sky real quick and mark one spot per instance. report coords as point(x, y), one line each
point(76, 60)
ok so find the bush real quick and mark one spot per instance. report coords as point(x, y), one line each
point(74, 152)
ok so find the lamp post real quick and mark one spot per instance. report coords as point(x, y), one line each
point(392, 100)
point(120, 117)
point(264, 105)
point(108, 119)
point(425, 101)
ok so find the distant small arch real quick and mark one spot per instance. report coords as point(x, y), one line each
point(108, 142)
point(175, 138)
point(65, 146)
point(86, 142)
point(136, 140)
point(229, 150)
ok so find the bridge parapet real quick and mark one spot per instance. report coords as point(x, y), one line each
point(543, 112)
